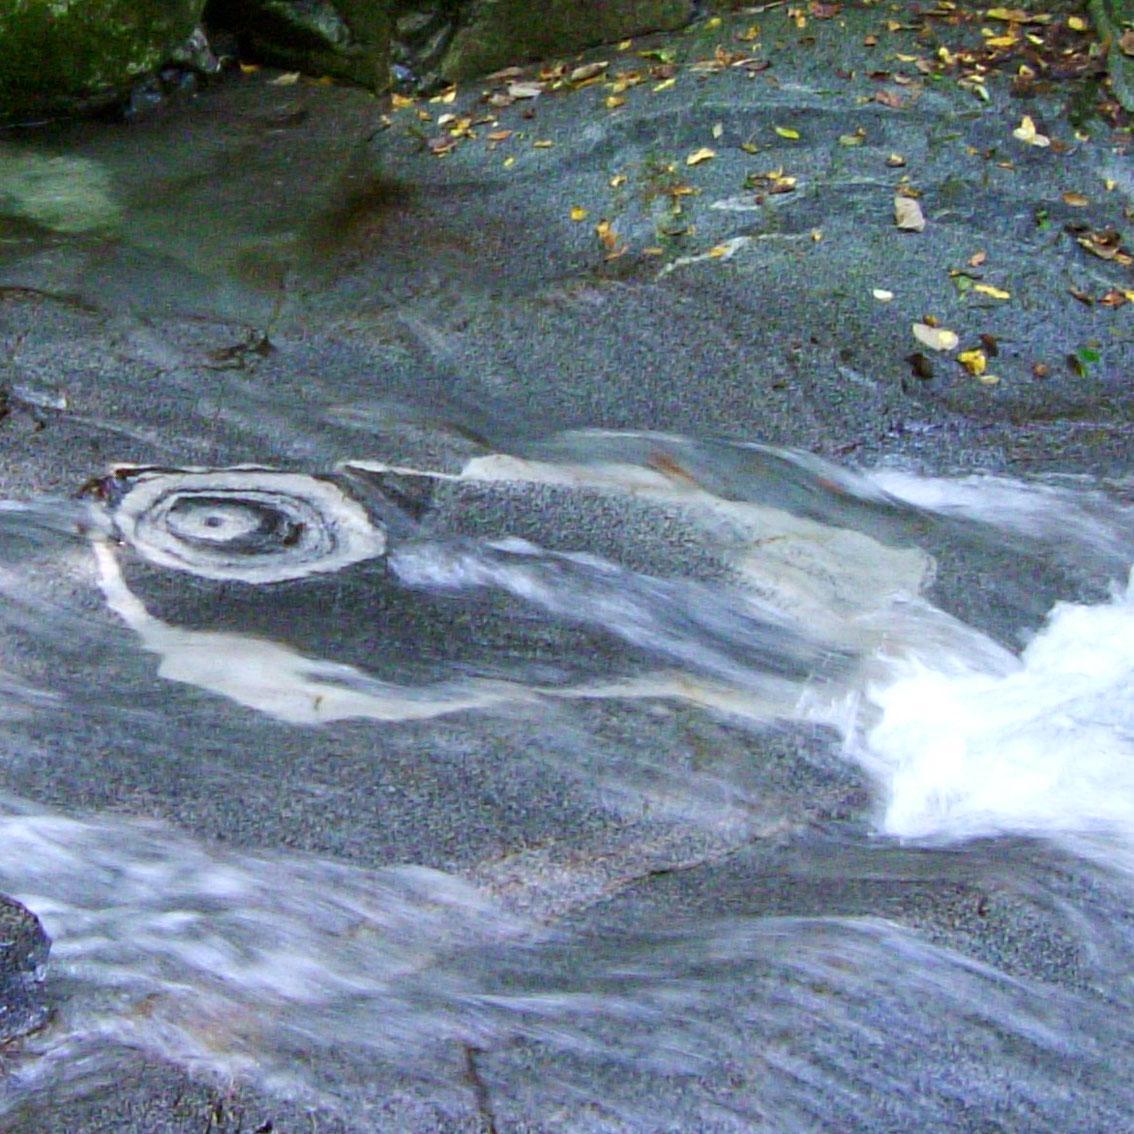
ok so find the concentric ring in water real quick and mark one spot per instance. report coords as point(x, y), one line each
point(249, 525)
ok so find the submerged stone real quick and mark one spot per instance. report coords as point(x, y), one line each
point(23, 953)
point(66, 55)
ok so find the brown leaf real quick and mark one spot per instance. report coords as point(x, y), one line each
point(920, 365)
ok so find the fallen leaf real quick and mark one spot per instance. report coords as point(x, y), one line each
point(788, 133)
point(936, 338)
point(882, 294)
point(698, 156)
point(993, 292)
point(499, 135)
point(525, 90)
point(978, 258)
point(895, 161)
point(618, 180)
point(1026, 132)
point(718, 251)
point(1077, 23)
point(718, 129)
point(1075, 200)
point(750, 33)
point(920, 365)
point(587, 72)
point(991, 345)
point(665, 85)
point(613, 102)
point(1084, 297)
point(1116, 298)
point(988, 379)
point(908, 215)
point(1018, 16)
point(974, 361)
point(543, 144)
point(1041, 369)
point(578, 213)
point(509, 162)
point(855, 139)
point(400, 102)
point(287, 79)
point(889, 98)
point(445, 96)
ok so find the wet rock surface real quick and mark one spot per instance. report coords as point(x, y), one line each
point(297, 276)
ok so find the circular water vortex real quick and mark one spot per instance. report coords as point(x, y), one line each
point(248, 525)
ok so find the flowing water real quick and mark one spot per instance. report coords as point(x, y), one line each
point(860, 746)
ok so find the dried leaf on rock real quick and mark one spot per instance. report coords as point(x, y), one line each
point(1026, 132)
point(936, 338)
point(992, 292)
point(974, 361)
point(587, 72)
point(908, 215)
point(698, 156)
point(578, 213)
point(787, 132)
point(1075, 200)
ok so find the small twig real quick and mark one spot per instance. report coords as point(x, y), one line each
point(480, 1091)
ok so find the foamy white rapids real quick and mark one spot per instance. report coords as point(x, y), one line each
point(1046, 748)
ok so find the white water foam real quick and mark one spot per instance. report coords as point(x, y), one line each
point(1047, 748)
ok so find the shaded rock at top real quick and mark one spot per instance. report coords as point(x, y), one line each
point(69, 55)
point(347, 39)
point(496, 33)
point(23, 953)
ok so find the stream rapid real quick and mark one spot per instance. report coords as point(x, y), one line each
point(870, 732)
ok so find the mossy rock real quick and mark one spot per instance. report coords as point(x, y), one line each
point(70, 54)
point(496, 33)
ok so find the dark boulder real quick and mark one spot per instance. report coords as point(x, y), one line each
point(23, 954)
point(73, 55)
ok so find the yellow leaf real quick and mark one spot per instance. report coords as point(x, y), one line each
point(750, 33)
point(613, 102)
point(653, 250)
point(936, 338)
point(1076, 23)
point(543, 144)
point(287, 79)
point(509, 162)
point(787, 132)
point(989, 290)
point(1110, 184)
point(499, 135)
point(1075, 200)
point(587, 71)
point(718, 250)
point(718, 129)
point(445, 96)
point(400, 102)
point(715, 22)
point(249, 68)
point(617, 180)
point(664, 85)
point(988, 379)
point(1001, 41)
point(625, 45)
point(1026, 132)
point(974, 361)
point(698, 156)
point(578, 213)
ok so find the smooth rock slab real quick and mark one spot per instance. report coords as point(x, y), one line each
point(23, 953)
